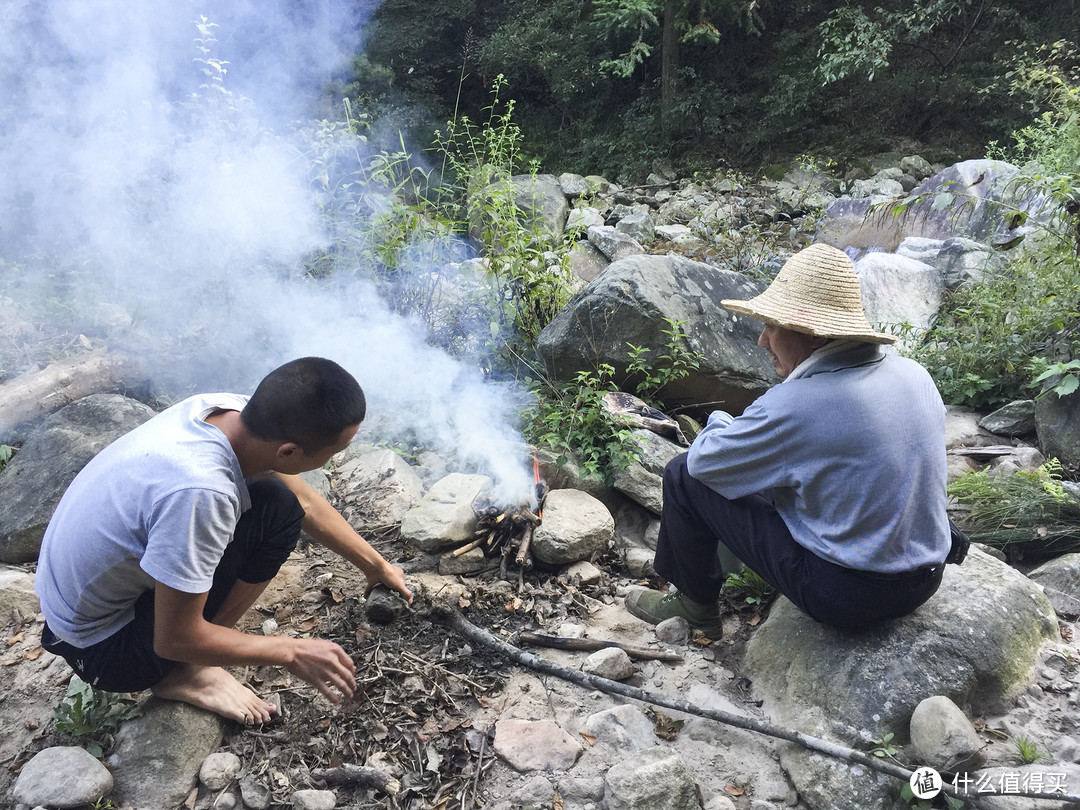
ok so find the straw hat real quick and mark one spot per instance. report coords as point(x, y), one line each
point(816, 292)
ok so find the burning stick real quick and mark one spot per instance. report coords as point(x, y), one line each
point(524, 558)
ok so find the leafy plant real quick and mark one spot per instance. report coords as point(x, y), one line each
point(1062, 379)
point(6, 454)
point(754, 590)
point(676, 362)
point(572, 420)
point(883, 746)
point(1027, 751)
point(1023, 512)
point(92, 715)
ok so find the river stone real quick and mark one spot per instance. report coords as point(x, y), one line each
point(17, 597)
point(63, 776)
point(975, 641)
point(613, 243)
point(587, 261)
point(656, 779)
point(1060, 581)
point(314, 800)
point(1057, 425)
point(535, 745)
point(643, 480)
point(628, 304)
point(573, 185)
point(625, 728)
point(611, 663)
point(943, 737)
point(575, 526)
point(897, 290)
point(377, 488)
point(1017, 418)
point(445, 516)
point(638, 226)
point(158, 755)
point(542, 201)
point(219, 770)
point(35, 479)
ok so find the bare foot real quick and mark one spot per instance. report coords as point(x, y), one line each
point(214, 689)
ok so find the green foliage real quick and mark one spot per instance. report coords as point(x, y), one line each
point(1027, 751)
point(676, 362)
point(1028, 512)
point(754, 590)
point(6, 454)
point(1061, 379)
point(530, 269)
point(572, 420)
point(93, 716)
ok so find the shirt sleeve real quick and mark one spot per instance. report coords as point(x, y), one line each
point(743, 455)
point(186, 536)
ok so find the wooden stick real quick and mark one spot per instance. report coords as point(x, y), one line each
point(358, 776)
point(455, 621)
point(524, 559)
point(457, 552)
point(594, 644)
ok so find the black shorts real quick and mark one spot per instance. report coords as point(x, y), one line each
point(265, 536)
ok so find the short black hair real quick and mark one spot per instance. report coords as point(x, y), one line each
point(309, 401)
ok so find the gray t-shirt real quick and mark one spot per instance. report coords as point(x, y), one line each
point(158, 504)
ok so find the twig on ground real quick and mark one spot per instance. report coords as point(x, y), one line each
point(593, 644)
point(358, 776)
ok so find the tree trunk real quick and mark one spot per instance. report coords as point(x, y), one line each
point(29, 396)
point(669, 65)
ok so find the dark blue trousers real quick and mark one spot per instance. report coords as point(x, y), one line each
point(265, 536)
point(697, 522)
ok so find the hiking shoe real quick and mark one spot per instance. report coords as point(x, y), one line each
point(654, 607)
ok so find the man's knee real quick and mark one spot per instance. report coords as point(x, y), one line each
point(268, 532)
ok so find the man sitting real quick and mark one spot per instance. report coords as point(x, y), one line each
point(171, 533)
point(830, 486)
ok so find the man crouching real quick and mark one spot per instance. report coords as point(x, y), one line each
point(171, 533)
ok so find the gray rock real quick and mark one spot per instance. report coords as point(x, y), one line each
point(575, 526)
point(63, 776)
point(314, 800)
point(597, 184)
point(976, 642)
point(965, 261)
point(1057, 425)
point(536, 792)
point(471, 562)
point(613, 243)
point(638, 561)
point(582, 573)
point(656, 779)
point(628, 304)
point(643, 480)
point(445, 515)
point(219, 770)
point(254, 794)
point(581, 219)
point(624, 728)
point(384, 606)
point(917, 166)
point(1060, 581)
point(543, 202)
point(17, 596)
point(587, 261)
point(675, 630)
point(535, 745)
point(158, 755)
point(897, 290)
point(673, 233)
point(611, 663)
point(639, 227)
point(943, 737)
point(35, 479)
point(920, 248)
point(1015, 419)
point(573, 185)
point(581, 787)
point(377, 488)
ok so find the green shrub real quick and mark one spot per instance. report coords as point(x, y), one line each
point(93, 716)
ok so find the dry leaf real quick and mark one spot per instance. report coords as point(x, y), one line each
point(15, 639)
point(734, 790)
point(463, 602)
point(589, 738)
point(514, 605)
point(8, 663)
point(557, 802)
point(1066, 633)
point(308, 625)
point(337, 596)
point(34, 654)
point(755, 620)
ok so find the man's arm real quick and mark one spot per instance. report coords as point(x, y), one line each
point(182, 634)
point(328, 528)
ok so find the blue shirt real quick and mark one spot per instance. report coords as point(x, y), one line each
point(850, 449)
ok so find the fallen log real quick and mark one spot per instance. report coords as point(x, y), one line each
point(39, 393)
point(455, 621)
point(594, 644)
point(358, 776)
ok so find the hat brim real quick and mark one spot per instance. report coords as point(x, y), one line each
point(800, 321)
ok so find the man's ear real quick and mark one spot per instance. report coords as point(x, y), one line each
point(288, 450)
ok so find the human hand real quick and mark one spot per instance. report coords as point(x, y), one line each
point(393, 578)
point(326, 666)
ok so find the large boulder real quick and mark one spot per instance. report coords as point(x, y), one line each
point(629, 304)
point(982, 196)
point(897, 290)
point(575, 526)
point(34, 481)
point(1057, 424)
point(976, 642)
point(445, 516)
point(643, 480)
point(542, 201)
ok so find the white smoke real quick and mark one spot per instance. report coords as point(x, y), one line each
point(141, 174)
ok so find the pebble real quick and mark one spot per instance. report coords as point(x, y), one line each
point(675, 630)
point(611, 663)
point(314, 800)
point(218, 770)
